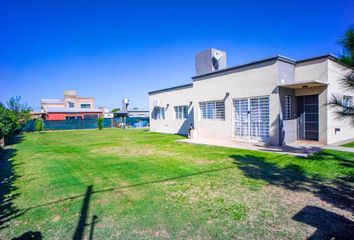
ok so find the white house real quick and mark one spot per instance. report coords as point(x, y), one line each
point(276, 100)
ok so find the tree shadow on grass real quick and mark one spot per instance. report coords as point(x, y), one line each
point(328, 225)
point(30, 235)
point(8, 210)
point(339, 192)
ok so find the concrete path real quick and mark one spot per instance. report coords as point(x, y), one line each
point(339, 147)
point(301, 149)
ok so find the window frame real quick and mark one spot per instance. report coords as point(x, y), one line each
point(212, 110)
point(288, 107)
point(87, 104)
point(349, 101)
point(181, 112)
point(160, 113)
point(71, 105)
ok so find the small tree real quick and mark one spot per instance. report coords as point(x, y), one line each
point(114, 110)
point(100, 123)
point(39, 125)
point(22, 110)
point(9, 123)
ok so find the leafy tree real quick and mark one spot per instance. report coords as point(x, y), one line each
point(115, 110)
point(15, 105)
point(344, 110)
point(100, 123)
point(21, 109)
point(9, 123)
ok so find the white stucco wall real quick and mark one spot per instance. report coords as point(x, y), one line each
point(170, 124)
point(315, 70)
point(312, 70)
point(260, 80)
point(256, 81)
point(336, 72)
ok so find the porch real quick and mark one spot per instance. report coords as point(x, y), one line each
point(303, 112)
point(298, 148)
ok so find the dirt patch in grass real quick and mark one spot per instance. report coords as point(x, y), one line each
point(131, 150)
point(276, 210)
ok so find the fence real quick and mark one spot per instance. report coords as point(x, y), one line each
point(70, 124)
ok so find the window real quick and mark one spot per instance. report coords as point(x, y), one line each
point(348, 101)
point(287, 109)
point(159, 113)
point(71, 104)
point(213, 110)
point(252, 118)
point(85, 105)
point(181, 112)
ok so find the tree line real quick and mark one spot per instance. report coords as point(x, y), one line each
point(13, 117)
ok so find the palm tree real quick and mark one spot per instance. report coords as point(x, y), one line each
point(343, 109)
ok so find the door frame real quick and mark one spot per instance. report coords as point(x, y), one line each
point(249, 137)
point(301, 116)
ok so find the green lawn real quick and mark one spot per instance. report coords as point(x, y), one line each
point(133, 184)
point(351, 144)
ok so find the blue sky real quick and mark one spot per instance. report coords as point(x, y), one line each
point(115, 49)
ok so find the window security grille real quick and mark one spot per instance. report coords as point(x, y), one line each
point(159, 113)
point(181, 112)
point(252, 118)
point(287, 110)
point(214, 110)
point(347, 101)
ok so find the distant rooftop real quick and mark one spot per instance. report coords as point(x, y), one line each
point(53, 101)
point(70, 110)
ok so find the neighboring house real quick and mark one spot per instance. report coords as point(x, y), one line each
point(139, 113)
point(71, 107)
point(135, 112)
point(276, 100)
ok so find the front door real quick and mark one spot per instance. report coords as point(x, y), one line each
point(308, 117)
point(252, 118)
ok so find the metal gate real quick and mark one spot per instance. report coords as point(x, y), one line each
point(252, 118)
point(308, 123)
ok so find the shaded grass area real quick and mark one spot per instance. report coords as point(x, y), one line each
point(351, 144)
point(134, 184)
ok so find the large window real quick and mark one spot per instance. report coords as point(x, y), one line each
point(348, 101)
point(159, 113)
point(252, 118)
point(85, 105)
point(287, 109)
point(214, 110)
point(181, 112)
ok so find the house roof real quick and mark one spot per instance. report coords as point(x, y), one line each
point(52, 101)
point(303, 84)
point(70, 110)
point(171, 88)
point(250, 64)
point(279, 57)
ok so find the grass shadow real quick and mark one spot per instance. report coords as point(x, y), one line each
point(328, 225)
point(8, 210)
point(80, 228)
point(30, 235)
point(338, 192)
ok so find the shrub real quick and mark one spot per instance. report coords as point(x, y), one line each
point(100, 123)
point(39, 125)
point(9, 123)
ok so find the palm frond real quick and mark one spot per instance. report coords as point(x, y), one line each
point(348, 81)
point(342, 111)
